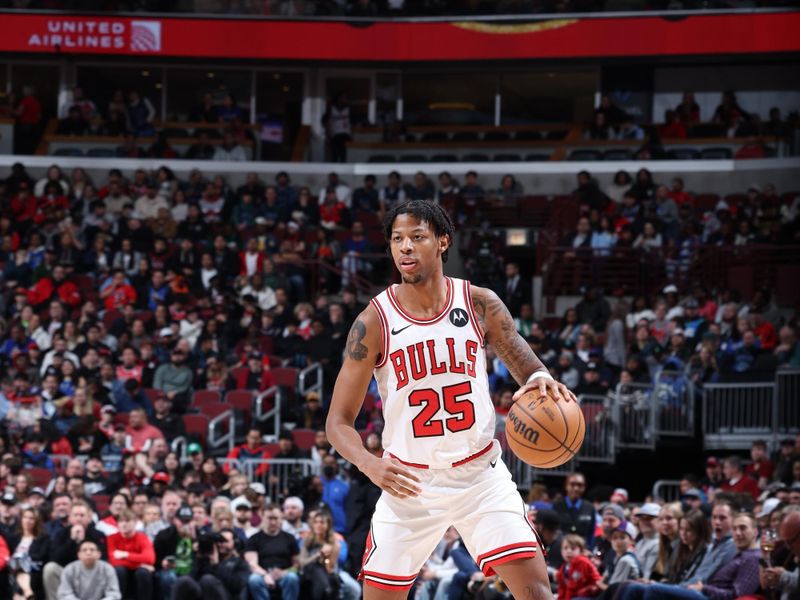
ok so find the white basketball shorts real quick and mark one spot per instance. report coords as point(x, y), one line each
point(478, 497)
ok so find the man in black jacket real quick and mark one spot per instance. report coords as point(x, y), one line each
point(577, 514)
point(220, 574)
point(64, 548)
point(174, 548)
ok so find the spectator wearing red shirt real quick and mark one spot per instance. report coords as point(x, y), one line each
point(129, 368)
point(251, 261)
point(761, 469)
point(752, 148)
point(332, 211)
point(735, 479)
point(140, 433)
point(118, 292)
point(29, 118)
point(23, 204)
point(672, 128)
point(678, 194)
point(764, 330)
point(577, 577)
point(252, 449)
point(256, 377)
point(131, 554)
point(688, 110)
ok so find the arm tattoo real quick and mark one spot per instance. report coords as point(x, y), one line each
point(356, 350)
point(498, 326)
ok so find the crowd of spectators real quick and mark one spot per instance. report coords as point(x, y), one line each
point(384, 8)
point(126, 296)
point(223, 133)
point(729, 119)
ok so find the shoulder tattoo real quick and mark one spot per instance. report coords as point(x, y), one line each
point(356, 349)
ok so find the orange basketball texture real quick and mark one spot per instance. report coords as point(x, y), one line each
point(543, 432)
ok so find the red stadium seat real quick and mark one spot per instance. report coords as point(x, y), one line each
point(205, 397)
point(237, 372)
point(705, 202)
point(40, 476)
point(152, 394)
point(196, 427)
point(276, 361)
point(241, 400)
point(267, 344)
point(303, 438)
point(285, 376)
point(213, 409)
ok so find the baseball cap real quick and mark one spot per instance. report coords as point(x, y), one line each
point(615, 510)
point(592, 366)
point(648, 509)
point(678, 331)
point(108, 409)
point(627, 527)
point(255, 355)
point(285, 435)
point(185, 513)
point(161, 477)
point(194, 448)
point(258, 488)
point(239, 502)
point(165, 332)
point(693, 493)
point(670, 289)
point(622, 493)
point(691, 303)
point(712, 461)
point(770, 504)
point(37, 490)
point(8, 498)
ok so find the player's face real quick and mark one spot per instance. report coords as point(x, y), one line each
point(416, 250)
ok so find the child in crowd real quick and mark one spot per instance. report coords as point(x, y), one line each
point(577, 577)
point(626, 565)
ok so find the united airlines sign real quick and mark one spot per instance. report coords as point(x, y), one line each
point(88, 35)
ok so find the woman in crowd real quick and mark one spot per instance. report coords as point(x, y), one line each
point(29, 548)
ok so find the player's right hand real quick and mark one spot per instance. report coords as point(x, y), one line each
point(392, 477)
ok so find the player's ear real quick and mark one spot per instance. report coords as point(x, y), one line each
point(444, 242)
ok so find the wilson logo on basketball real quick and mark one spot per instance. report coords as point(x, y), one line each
point(146, 36)
point(523, 429)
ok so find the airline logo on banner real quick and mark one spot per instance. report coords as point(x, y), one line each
point(82, 34)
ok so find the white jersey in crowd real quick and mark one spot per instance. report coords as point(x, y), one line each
point(339, 123)
point(432, 380)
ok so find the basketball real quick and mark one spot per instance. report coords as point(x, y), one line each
point(543, 432)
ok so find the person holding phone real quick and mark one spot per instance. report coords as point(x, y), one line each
point(174, 550)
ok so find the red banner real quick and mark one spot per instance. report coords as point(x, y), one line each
point(402, 41)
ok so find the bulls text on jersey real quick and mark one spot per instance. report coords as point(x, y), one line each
point(417, 361)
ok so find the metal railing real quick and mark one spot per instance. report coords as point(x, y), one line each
point(261, 413)
point(667, 490)
point(281, 476)
point(674, 403)
point(635, 414)
point(219, 434)
point(599, 442)
point(525, 475)
point(313, 372)
point(735, 414)
point(787, 398)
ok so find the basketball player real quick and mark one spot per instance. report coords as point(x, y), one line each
point(424, 342)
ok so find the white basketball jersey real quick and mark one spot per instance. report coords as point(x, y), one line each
point(433, 383)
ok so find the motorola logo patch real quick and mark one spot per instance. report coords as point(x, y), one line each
point(458, 317)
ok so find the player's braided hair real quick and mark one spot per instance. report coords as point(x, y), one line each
point(425, 210)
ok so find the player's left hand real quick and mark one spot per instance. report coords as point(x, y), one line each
point(541, 385)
